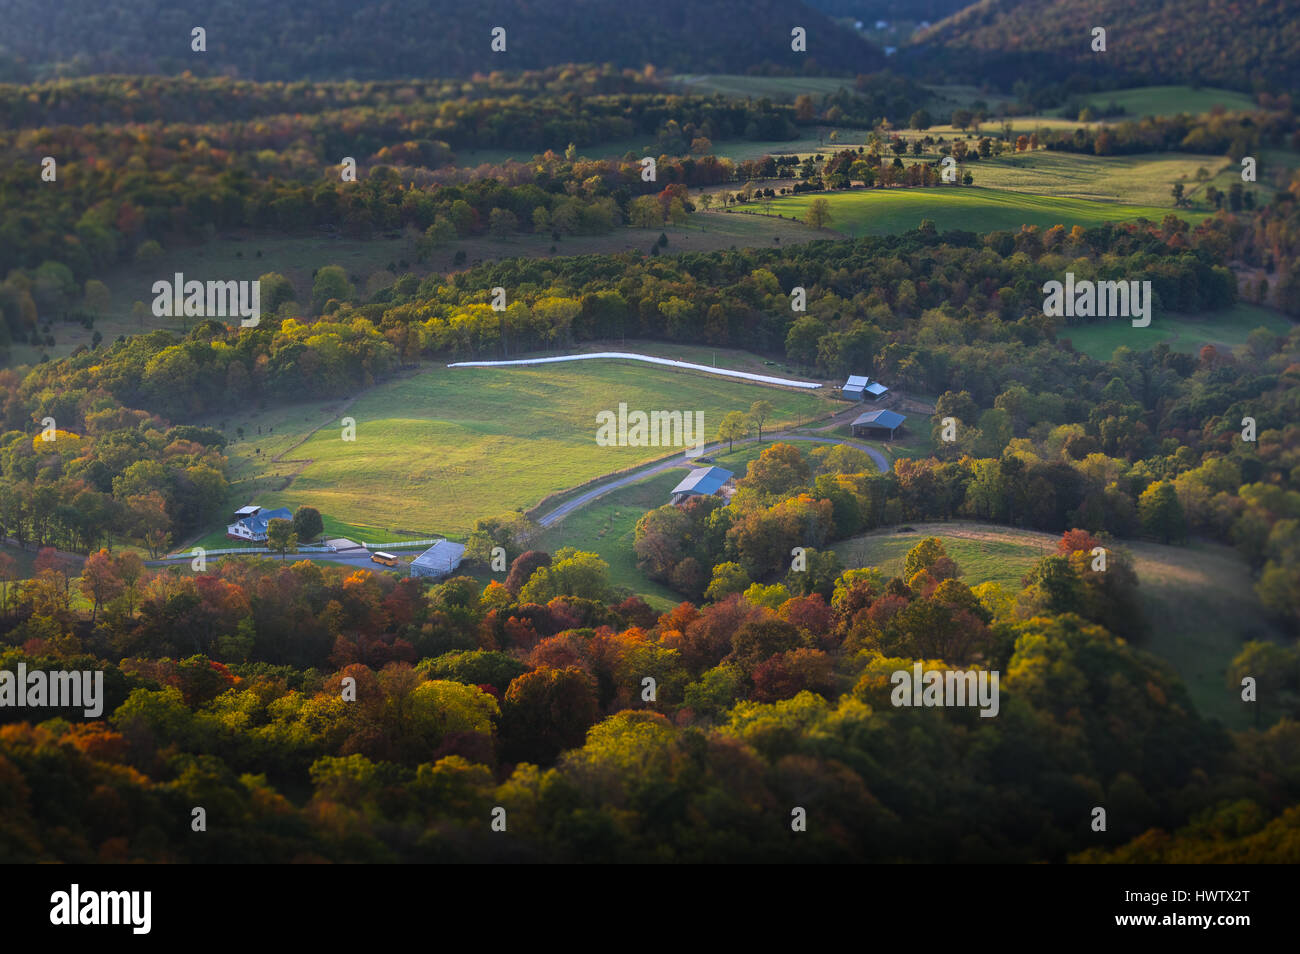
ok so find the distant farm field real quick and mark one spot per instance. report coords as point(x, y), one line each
point(440, 448)
point(774, 87)
point(1170, 101)
point(1198, 598)
point(974, 209)
point(1224, 329)
point(1145, 179)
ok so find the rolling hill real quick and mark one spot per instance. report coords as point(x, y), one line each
point(1238, 44)
point(336, 39)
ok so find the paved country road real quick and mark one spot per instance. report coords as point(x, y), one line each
point(359, 558)
point(563, 510)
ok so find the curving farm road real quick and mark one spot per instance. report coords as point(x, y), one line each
point(566, 508)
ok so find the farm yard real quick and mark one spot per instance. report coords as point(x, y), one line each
point(607, 526)
point(442, 447)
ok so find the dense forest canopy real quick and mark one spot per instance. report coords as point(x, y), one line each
point(339, 39)
point(723, 657)
point(1248, 45)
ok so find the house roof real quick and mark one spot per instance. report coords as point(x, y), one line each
point(703, 480)
point(247, 511)
point(877, 389)
point(858, 381)
point(443, 557)
point(886, 419)
point(258, 521)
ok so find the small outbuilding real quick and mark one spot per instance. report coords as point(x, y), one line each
point(441, 559)
point(878, 424)
point(854, 387)
point(701, 482)
point(859, 387)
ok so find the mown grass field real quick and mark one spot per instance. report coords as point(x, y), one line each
point(438, 449)
point(1170, 101)
point(971, 208)
point(1198, 598)
point(1144, 179)
point(1138, 103)
point(811, 139)
point(1224, 329)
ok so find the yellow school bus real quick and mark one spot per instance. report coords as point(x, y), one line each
point(387, 559)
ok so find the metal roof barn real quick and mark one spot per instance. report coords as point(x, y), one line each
point(439, 560)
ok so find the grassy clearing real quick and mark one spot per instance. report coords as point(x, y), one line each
point(1170, 101)
point(735, 149)
point(1197, 598)
point(436, 450)
point(972, 208)
point(773, 87)
point(1138, 180)
point(699, 354)
point(948, 97)
point(1225, 329)
point(985, 553)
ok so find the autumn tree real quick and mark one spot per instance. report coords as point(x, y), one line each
point(547, 711)
point(1161, 513)
point(523, 567)
point(280, 537)
point(100, 580)
point(734, 425)
point(779, 470)
point(818, 215)
point(759, 413)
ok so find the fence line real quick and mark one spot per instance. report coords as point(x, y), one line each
point(311, 548)
point(402, 543)
point(307, 549)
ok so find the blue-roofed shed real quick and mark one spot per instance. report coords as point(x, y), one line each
point(701, 482)
point(878, 424)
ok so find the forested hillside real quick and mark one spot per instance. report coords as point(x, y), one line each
point(869, 11)
point(1237, 44)
point(311, 338)
point(339, 39)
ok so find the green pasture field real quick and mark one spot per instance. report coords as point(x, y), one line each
point(1143, 180)
point(736, 149)
point(773, 87)
point(438, 449)
point(1142, 101)
point(1224, 329)
point(971, 208)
